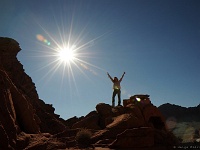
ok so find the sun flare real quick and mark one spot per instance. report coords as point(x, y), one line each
point(67, 54)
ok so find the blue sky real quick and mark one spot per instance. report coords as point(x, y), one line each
point(156, 42)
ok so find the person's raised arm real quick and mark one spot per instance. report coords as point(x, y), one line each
point(122, 77)
point(110, 77)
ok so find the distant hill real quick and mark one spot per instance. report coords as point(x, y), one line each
point(181, 114)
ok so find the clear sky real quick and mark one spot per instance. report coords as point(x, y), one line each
point(156, 42)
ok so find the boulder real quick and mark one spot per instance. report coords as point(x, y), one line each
point(71, 121)
point(165, 138)
point(133, 138)
point(104, 110)
point(154, 117)
point(91, 121)
point(42, 141)
point(135, 110)
point(118, 110)
point(119, 125)
point(125, 121)
point(142, 99)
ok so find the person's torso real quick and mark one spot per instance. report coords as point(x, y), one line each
point(116, 85)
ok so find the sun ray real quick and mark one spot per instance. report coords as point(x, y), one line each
point(85, 62)
point(53, 69)
point(79, 68)
point(69, 53)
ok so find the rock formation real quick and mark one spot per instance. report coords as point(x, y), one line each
point(26, 122)
point(20, 107)
point(137, 124)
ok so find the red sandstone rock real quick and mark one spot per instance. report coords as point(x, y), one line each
point(20, 108)
point(104, 110)
point(125, 121)
point(16, 113)
point(135, 110)
point(89, 122)
point(133, 138)
point(4, 142)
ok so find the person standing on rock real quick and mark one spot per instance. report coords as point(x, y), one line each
point(116, 88)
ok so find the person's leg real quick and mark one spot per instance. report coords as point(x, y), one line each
point(113, 98)
point(119, 97)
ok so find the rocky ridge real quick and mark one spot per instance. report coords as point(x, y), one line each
point(183, 122)
point(182, 114)
point(21, 110)
point(26, 122)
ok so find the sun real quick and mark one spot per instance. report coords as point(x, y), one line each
point(67, 54)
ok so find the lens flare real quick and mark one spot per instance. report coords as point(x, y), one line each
point(87, 68)
point(171, 123)
point(138, 99)
point(42, 39)
point(189, 135)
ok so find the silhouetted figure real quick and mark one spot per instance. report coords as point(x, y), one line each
point(116, 89)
